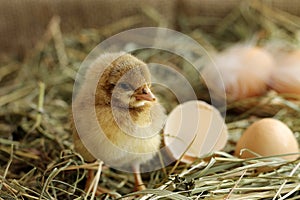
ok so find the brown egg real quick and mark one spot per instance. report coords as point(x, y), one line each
point(285, 77)
point(194, 129)
point(244, 70)
point(267, 137)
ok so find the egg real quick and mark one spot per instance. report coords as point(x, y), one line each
point(194, 129)
point(267, 137)
point(285, 78)
point(242, 70)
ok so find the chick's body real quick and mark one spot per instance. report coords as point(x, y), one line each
point(116, 147)
point(119, 121)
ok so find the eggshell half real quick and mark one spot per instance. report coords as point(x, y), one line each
point(194, 129)
point(268, 137)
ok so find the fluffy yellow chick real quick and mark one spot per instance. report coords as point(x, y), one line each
point(124, 129)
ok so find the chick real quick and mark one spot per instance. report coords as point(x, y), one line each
point(119, 119)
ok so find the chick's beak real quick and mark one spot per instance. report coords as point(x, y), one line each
point(144, 93)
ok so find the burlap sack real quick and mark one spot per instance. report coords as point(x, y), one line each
point(22, 22)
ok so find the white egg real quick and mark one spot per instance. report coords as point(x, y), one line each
point(267, 137)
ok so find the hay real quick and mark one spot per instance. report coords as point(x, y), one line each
point(37, 158)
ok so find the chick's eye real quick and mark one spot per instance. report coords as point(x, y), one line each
point(125, 86)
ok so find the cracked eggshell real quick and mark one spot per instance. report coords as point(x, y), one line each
point(242, 70)
point(194, 129)
point(267, 137)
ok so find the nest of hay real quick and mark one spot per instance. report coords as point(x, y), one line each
point(37, 158)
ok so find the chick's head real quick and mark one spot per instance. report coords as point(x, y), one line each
point(125, 83)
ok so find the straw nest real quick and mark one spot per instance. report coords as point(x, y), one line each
point(37, 158)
